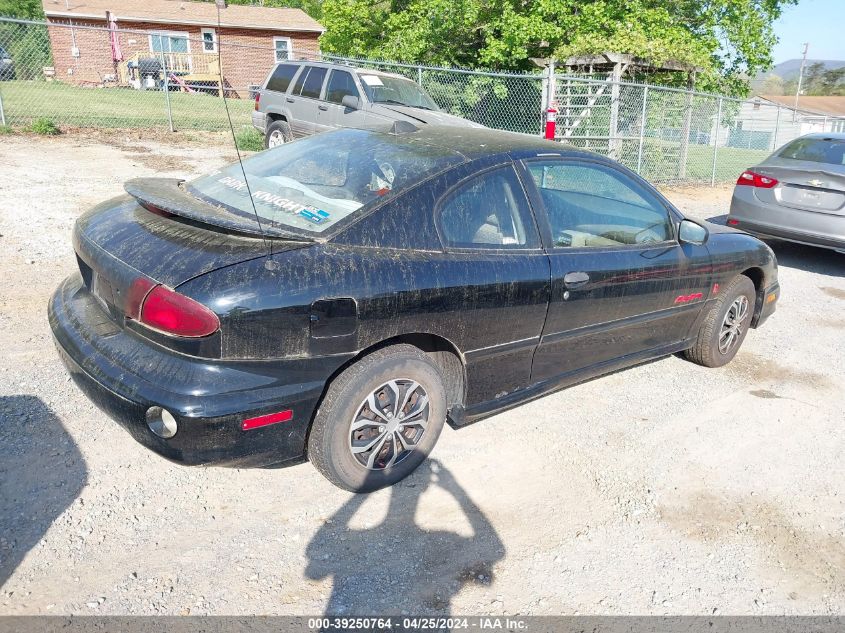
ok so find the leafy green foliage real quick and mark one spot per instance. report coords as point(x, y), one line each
point(725, 39)
point(818, 81)
point(45, 126)
point(23, 9)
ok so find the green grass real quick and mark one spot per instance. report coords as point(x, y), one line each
point(45, 127)
point(730, 162)
point(71, 106)
point(249, 139)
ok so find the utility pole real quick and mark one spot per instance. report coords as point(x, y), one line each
point(800, 79)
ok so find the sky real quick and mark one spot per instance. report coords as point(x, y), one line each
point(818, 22)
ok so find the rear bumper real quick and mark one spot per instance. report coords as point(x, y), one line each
point(779, 222)
point(259, 121)
point(124, 375)
point(810, 239)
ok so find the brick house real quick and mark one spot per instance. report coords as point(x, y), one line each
point(183, 34)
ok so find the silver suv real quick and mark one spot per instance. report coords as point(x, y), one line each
point(303, 98)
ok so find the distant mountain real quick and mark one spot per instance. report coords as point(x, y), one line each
point(772, 81)
point(789, 69)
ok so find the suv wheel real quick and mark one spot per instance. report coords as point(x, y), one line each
point(278, 133)
point(379, 420)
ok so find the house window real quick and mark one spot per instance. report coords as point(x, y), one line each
point(174, 49)
point(209, 41)
point(169, 43)
point(282, 48)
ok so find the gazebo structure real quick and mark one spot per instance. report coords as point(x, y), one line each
point(581, 103)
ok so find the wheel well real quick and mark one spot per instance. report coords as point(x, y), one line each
point(447, 358)
point(756, 276)
point(272, 116)
point(440, 351)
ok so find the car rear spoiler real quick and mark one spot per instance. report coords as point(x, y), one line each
point(167, 196)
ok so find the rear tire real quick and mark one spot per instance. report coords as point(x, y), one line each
point(361, 450)
point(725, 325)
point(278, 133)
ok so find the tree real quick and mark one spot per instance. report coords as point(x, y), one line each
point(724, 38)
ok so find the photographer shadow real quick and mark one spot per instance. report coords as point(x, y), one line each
point(41, 474)
point(396, 567)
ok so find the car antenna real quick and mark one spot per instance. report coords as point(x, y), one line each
point(269, 263)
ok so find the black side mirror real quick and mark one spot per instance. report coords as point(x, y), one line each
point(350, 101)
point(692, 233)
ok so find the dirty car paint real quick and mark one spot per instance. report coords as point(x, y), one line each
point(295, 312)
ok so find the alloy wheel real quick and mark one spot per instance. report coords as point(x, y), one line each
point(732, 324)
point(389, 424)
point(276, 139)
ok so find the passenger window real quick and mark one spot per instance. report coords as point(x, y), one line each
point(340, 85)
point(488, 211)
point(281, 78)
point(596, 205)
point(313, 83)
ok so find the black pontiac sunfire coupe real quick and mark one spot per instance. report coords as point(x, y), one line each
point(339, 298)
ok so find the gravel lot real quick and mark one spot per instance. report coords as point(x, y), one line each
point(668, 488)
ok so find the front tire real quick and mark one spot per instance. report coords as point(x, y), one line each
point(725, 325)
point(278, 133)
point(379, 420)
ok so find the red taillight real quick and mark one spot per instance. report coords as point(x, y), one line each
point(168, 311)
point(733, 222)
point(754, 179)
point(138, 291)
point(257, 99)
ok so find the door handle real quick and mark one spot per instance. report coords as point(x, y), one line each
point(575, 280)
point(289, 99)
point(323, 108)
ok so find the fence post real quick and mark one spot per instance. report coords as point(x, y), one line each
point(777, 129)
point(643, 116)
point(419, 76)
point(2, 112)
point(167, 92)
point(613, 125)
point(716, 142)
point(685, 130)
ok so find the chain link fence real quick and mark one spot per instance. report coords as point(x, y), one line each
point(72, 76)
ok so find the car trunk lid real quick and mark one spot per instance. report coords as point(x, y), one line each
point(123, 247)
point(804, 186)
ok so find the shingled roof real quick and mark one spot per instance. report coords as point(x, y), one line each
point(825, 106)
point(184, 12)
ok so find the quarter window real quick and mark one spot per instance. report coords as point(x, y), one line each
point(340, 85)
point(488, 211)
point(282, 76)
point(589, 204)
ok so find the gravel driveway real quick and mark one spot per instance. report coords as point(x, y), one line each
point(668, 488)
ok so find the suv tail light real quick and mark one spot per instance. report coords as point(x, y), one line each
point(754, 179)
point(165, 310)
point(257, 100)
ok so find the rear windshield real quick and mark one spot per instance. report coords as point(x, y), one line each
point(308, 186)
point(816, 150)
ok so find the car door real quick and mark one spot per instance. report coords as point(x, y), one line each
point(495, 276)
point(621, 283)
point(332, 113)
point(303, 99)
